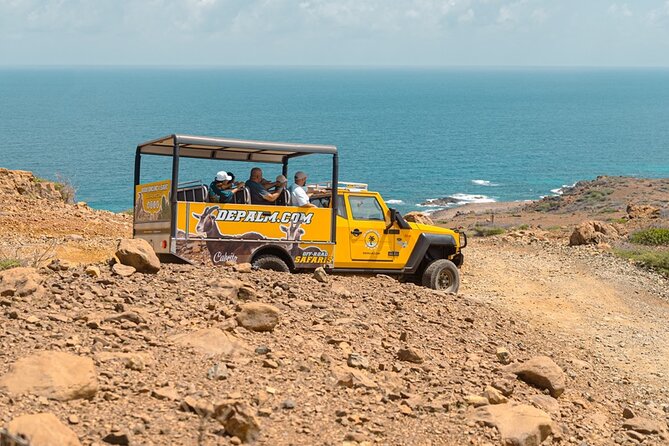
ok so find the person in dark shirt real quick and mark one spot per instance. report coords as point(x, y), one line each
point(221, 190)
point(257, 186)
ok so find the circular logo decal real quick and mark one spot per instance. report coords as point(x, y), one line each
point(371, 239)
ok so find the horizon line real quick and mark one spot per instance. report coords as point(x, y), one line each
point(334, 66)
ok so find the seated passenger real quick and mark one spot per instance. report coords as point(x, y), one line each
point(258, 186)
point(284, 197)
point(221, 190)
point(298, 195)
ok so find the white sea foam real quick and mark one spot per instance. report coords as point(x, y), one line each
point(561, 190)
point(485, 183)
point(469, 198)
point(394, 201)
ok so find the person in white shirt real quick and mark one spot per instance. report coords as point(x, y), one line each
point(298, 195)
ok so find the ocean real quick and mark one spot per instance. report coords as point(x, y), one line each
point(414, 134)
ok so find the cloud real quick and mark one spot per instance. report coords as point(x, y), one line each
point(621, 10)
point(659, 16)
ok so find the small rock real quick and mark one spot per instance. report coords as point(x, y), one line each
point(119, 438)
point(409, 354)
point(56, 375)
point(476, 400)
point(494, 396)
point(357, 361)
point(503, 355)
point(256, 316)
point(288, 404)
point(93, 271)
point(123, 270)
point(644, 426)
point(262, 350)
point(139, 254)
point(198, 405)
point(73, 419)
point(218, 371)
point(320, 274)
point(243, 267)
point(270, 364)
point(166, 393)
point(541, 372)
point(238, 420)
point(518, 425)
point(627, 413)
point(43, 429)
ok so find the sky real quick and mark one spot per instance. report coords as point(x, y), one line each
point(335, 32)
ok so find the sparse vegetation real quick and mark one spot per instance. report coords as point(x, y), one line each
point(66, 188)
point(651, 237)
point(487, 231)
point(658, 260)
point(622, 221)
point(595, 195)
point(523, 227)
point(9, 263)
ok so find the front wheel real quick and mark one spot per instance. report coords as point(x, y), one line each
point(442, 275)
point(271, 262)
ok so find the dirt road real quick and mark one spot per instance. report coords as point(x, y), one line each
point(594, 306)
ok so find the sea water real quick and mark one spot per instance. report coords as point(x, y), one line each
point(476, 135)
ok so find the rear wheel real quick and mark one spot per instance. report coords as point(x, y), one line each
point(271, 262)
point(442, 275)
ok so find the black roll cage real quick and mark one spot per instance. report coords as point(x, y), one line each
point(189, 146)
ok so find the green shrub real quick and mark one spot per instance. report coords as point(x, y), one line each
point(523, 227)
point(658, 260)
point(622, 221)
point(486, 231)
point(651, 236)
point(9, 263)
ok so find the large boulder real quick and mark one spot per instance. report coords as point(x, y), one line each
point(518, 425)
point(139, 254)
point(593, 233)
point(57, 375)
point(212, 341)
point(43, 429)
point(256, 316)
point(20, 282)
point(642, 211)
point(541, 372)
point(418, 217)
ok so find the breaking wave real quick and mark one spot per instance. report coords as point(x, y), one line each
point(561, 190)
point(485, 183)
point(394, 201)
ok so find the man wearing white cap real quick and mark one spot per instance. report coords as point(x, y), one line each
point(299, 196)
point(221, 190)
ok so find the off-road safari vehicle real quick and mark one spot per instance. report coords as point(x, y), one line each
point(353, 233)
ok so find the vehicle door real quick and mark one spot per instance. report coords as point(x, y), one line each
point(367, 222)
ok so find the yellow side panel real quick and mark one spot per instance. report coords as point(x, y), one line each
point(215, 221)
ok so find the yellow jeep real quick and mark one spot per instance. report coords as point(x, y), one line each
point(354, 233)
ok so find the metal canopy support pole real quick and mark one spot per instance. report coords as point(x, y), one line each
point(173, 194)
point(335, 183)
point(138, 164)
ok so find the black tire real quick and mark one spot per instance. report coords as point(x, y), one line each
point(442, 275)
point(269, 261)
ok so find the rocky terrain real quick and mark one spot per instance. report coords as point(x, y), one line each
point(546, 343)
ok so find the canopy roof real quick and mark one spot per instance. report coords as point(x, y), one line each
point(230, 149)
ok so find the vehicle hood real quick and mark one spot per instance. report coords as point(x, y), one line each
point(431, 229)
